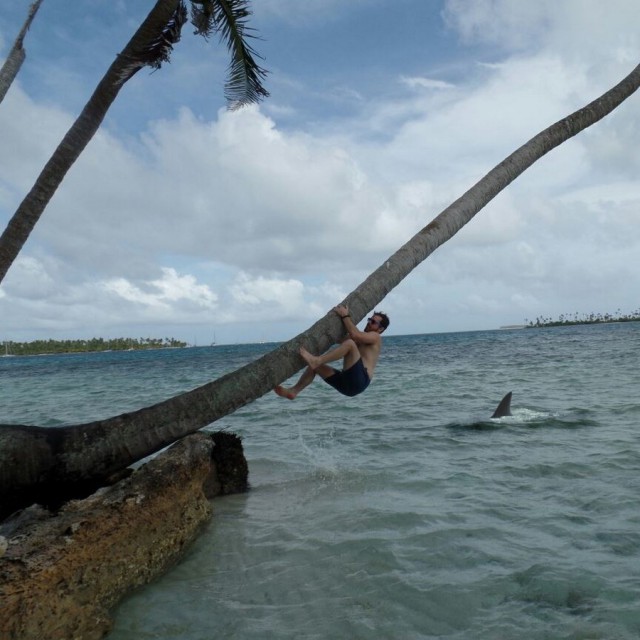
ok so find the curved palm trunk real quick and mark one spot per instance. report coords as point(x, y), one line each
point(10, 69)
point(17, 54)
point(39, 464)
point(127, 63)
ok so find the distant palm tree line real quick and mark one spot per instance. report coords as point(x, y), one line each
point(590, 318)
point(94, 344)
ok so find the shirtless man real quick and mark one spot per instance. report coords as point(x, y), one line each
point(359, 352)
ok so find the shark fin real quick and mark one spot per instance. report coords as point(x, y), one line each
point(504, 408)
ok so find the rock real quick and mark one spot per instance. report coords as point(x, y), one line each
point(62, 573)
point(231, 466)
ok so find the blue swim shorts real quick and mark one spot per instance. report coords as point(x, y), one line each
point(351, 381)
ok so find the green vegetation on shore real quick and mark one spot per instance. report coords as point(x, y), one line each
point(37, 347)
point(591, 318)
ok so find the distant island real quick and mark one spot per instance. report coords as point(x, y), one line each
point(47, 347)
point(591, 318)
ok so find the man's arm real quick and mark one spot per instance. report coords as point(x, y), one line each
point(359, 337)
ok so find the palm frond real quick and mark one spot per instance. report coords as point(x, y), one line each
point(229, 19)
point(202, 18)
point(159, 50)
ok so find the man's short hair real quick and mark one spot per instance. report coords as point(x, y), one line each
point(384, 318)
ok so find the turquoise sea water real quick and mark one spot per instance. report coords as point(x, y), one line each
point(405, 512)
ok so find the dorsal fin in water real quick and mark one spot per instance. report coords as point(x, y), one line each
point(504, 408)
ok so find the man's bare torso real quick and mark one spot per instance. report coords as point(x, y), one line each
point(370, 354)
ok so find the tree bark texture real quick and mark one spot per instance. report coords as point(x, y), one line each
point(70, 456)
point(10, 69)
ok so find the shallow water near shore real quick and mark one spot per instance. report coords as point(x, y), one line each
point(405, 512)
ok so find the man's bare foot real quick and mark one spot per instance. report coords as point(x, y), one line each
point(283, 392)
point(310, 359)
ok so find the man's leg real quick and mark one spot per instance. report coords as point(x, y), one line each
point(348, 351)
point(305, 380)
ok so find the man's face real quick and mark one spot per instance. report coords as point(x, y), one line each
point(374, 324)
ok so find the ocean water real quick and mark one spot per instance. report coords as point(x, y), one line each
point(405, 512)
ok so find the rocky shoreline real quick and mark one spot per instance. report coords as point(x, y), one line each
point(61, 573)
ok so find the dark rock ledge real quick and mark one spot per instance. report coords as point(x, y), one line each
point(62, 573)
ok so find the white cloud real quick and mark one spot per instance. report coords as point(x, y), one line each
point(425, 83)
point(607, 28)
point(236, 191)
point(253, 292)
point(163, 292)
point(29, 279)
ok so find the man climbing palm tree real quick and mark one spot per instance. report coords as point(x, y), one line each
point(359, 352)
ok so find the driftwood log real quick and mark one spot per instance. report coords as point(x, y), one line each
point(61, 573)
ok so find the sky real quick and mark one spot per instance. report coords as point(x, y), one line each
point(183, 219)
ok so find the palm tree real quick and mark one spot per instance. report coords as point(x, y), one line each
point(17, 54)
point(40, 464)
point(151, 45)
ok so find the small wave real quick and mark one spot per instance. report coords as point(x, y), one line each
point(518, 417)
point(527, 415)
point(575, 591)
point(531, 418)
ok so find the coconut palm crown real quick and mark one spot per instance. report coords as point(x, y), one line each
point(228, 18)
